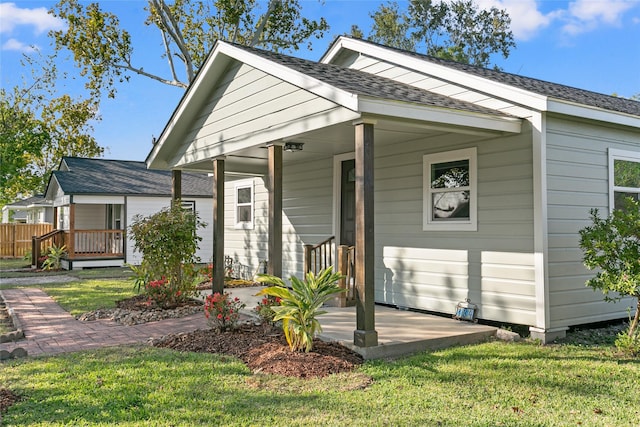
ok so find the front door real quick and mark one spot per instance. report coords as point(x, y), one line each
point(348, 203)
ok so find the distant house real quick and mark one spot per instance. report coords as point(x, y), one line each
point(452, 182)
point(95, 201)
point(32, 210)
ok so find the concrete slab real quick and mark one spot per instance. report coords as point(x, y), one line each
point(400, 332)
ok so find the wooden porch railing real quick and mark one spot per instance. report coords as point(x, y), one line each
point(40, 244)
point(95, 243)
point(320, 256)
point(80, 244)
point(347, 267)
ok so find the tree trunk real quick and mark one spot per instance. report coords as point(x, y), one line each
point(636, 319)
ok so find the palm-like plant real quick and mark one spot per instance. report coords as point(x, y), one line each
point(300, 304)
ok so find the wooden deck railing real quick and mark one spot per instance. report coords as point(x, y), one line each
point(319, 257)
point(347, 267)
point(80, 244)
point(40, 245)
point(95, 243)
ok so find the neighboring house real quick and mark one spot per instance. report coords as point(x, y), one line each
point(32, 210)
point(453, 182)
point(95, 200)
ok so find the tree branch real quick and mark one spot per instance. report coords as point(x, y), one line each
point(140, 71)
point(263, 22)
point(176, 34)
point(167, 49)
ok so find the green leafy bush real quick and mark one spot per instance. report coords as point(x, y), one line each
point(612, 245)
point(168, 241)
point(54, 257)
point(300, 304)
point(222, 311)
point(264, 309)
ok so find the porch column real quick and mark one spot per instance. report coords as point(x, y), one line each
point(217, 281)
point(176, 184)
point(275, 210)
point(365, 334)
point(71, 245)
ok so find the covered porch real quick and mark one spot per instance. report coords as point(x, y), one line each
point(81, 229)
point(307, 132)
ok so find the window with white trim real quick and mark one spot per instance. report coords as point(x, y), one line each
point(243, 204)
point(450, 191)
point(624, 177)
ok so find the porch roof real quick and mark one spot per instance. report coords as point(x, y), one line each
point(330, 95)
point(124, 177)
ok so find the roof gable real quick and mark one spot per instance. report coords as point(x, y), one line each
point(540, 92)
point(326, 94)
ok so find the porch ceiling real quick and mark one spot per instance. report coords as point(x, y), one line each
point(332, 140)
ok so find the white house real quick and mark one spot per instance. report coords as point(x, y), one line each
point(95, 200)
point(32, 210)
point(453, 182)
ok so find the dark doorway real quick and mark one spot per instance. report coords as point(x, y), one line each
point(348, 203)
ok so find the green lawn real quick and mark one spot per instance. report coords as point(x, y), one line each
point(491, 384)
point(88, 295)
point(90, 273)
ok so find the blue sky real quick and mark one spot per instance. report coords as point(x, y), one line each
point(590, 44)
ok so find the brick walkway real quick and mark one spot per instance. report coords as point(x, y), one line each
point(51, 330)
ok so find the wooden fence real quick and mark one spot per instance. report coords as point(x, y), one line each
point(15, 239)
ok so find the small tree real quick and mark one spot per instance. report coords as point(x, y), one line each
point(168, 241)
point(612, 245)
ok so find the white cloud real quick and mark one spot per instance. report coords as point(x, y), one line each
point(526, 19)
point(580, 16)
point(13, 44)
point(39, 18)
point(587, 15)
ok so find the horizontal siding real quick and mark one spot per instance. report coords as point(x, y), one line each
point(577, 181)
point(417, 269)
point(249, 247)
point(90, 217)
point(147, 206)
point(250, 102)
point(307, 209)
point(436, 270)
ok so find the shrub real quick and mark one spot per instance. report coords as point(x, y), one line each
point(168, 241)
point(265, 308)
point(54, 257)
point(612, 246)
point(222, 312)
point(300, 305)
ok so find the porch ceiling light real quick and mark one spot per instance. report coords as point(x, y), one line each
point(293, 146)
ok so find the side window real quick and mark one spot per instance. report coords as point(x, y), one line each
point(450, 191)
point(243, 204)
point(624, 177)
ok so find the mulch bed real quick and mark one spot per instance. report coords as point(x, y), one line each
point(264, 349)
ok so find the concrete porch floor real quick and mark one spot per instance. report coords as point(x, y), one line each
point(400, 332)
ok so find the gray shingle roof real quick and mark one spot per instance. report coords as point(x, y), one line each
point(541, 87)
point(123, 177)
point(34, 200)
point(366, 84)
